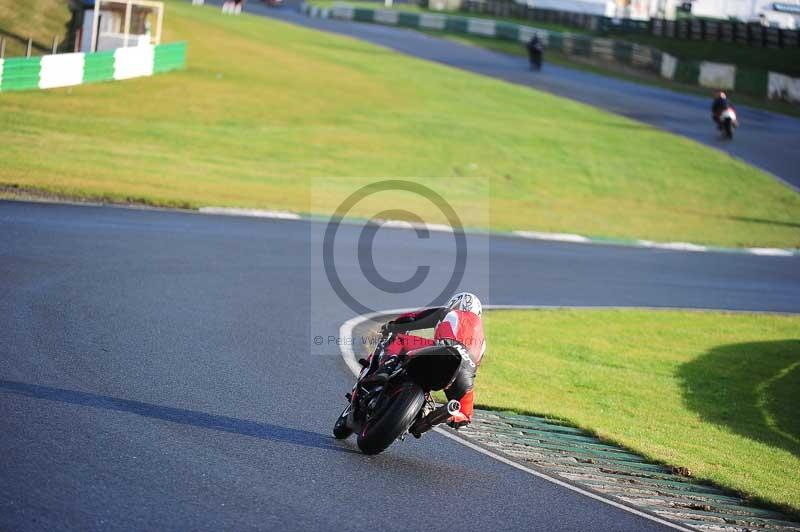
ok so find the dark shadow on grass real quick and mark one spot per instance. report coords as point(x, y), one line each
point(264, 431)
point(763, 221)
point(620, 125)
point(752, 389)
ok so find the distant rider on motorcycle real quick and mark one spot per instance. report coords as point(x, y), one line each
point(535, 52)
point(719, 104)
point(457, 323)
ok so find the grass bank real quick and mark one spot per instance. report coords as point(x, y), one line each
point(266, 106)
point(714, 392)
point(40, 19)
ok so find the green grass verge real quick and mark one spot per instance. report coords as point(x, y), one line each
point(715, 392)
point(265, 106)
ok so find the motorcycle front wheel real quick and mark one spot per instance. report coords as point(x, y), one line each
point(406, 400)
point(340, 428)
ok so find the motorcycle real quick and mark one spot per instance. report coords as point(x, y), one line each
point(728, 122)
point(392, 395)
point(535, 53)
point(535, 59)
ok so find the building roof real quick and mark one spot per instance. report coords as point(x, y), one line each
point(120, 4)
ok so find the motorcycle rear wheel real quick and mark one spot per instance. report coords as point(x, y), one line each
point(379, 433)
point(728, 128)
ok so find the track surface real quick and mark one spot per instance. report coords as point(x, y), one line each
point(766, 140)
point(157, 369)
point(155, 374)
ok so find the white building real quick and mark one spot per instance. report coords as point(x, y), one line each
point(783, 14)
point(111, 32)
point(751, 10)
point(602, 8)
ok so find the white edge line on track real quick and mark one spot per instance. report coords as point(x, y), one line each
point(349, 356)
point(773, 252)
point(400, 224)
point(528, 235)
point(553, 237)
point(251, 213)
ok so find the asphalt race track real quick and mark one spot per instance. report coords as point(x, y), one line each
point(155, 374)
point(159, 371)
point(766, 140)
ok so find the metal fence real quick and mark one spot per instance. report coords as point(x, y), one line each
point(759, 83)
point(751, 34)
point(30, 46)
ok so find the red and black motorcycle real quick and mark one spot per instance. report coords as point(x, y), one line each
point(392, 395)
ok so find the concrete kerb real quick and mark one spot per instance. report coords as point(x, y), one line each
point(529, 235)
point(404, 225)
point(351, 360)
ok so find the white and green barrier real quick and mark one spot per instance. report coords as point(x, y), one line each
point(783, 87)
point(65, 70)
point(705, 73)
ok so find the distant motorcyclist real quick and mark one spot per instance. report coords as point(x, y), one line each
point(457, 323)
point(535, 52)
point(719, 104)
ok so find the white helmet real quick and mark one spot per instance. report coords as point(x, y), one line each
point(466, 301)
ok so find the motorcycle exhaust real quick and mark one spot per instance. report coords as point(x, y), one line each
point(453, 407)
point(441, 414)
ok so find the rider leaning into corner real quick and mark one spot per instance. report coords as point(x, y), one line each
point(459, 322)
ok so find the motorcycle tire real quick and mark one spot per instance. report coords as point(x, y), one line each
point(379, 433)
point(340, 428)
point(728, 128)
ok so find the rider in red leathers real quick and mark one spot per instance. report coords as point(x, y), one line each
point(457, 323)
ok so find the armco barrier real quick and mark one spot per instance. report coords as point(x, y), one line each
point(569, 43)
point(169, 57)
point(687, 73)
point(21, 73)
point(719, 75)
point(98, 66)
point(696, 28)
point(65, 70)
point(752, 81)
point(704, 74)
point(783, 87)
